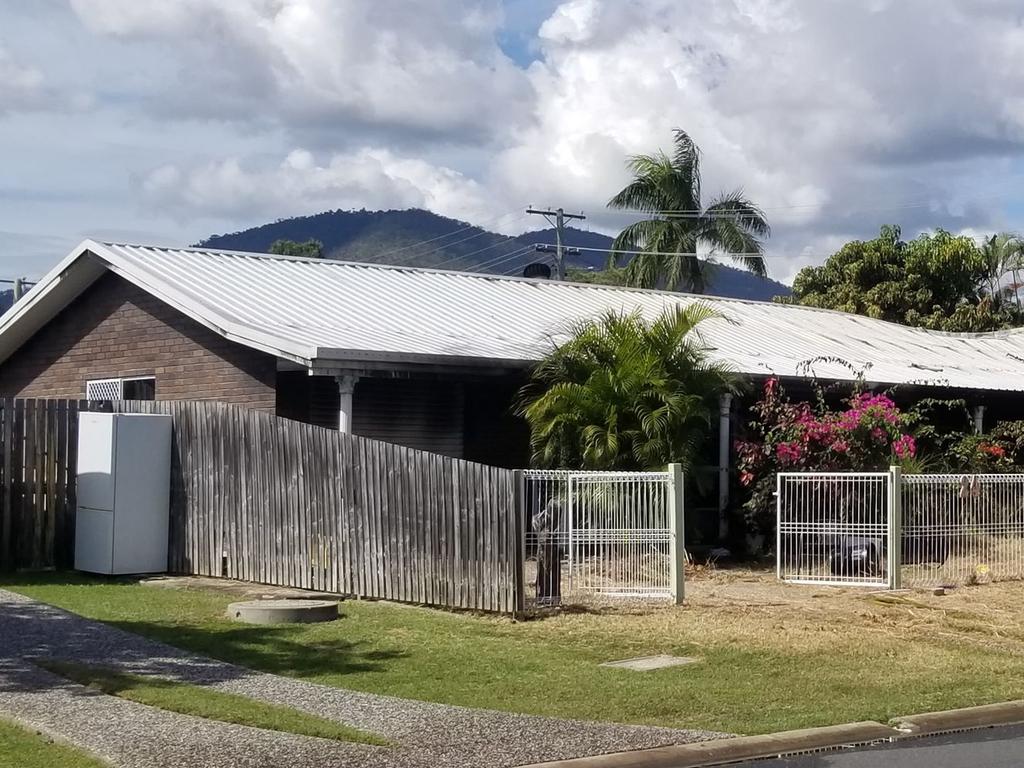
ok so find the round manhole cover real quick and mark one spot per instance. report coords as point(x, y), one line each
point(283, 611)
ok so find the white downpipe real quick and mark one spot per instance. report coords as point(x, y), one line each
point(346, 387)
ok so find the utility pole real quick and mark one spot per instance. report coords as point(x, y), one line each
point(559, 224)
point(19, 284)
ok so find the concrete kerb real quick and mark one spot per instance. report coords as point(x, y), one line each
point(723, 751)
point(969, 718)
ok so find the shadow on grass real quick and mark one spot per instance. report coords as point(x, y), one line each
point(281, 649)
point(33, 630)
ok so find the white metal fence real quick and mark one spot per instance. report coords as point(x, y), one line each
point(885, 529)
point(962, 529)
point(596, 535)
point(833, 528)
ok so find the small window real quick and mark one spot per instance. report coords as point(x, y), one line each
point(104, 389)
point(140, 388)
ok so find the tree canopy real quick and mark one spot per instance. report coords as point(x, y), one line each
point(668, 190)
point(625, 394)
point(312, 249)
point(938, 280)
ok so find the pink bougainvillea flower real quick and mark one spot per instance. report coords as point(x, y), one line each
point(788, 453)
point(904, 447)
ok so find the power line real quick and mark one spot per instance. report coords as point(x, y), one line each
point(491, 263)
point(473, 253)
point(446, 246)
point(448, 234)
point(738, 255)
point(707, 255)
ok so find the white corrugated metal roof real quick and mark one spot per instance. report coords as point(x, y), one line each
point(323, 312)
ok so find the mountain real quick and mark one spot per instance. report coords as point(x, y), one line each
point(419, 238)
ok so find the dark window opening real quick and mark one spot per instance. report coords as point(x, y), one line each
point(139, 389)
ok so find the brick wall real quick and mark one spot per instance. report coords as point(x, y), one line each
point(116, 330)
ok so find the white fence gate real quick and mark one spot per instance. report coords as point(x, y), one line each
point(834, 528)
point(885, 529)
point(597, 535)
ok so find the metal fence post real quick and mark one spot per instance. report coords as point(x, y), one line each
point(895, 525)
point(778, 526)
point(521, 523)
point(677, 534)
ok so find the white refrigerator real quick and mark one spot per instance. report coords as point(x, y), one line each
point(124, 473)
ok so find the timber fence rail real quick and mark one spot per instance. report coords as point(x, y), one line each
point(264, 499)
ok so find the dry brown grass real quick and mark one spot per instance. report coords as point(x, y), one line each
point(748, 606)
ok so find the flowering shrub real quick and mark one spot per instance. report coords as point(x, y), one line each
point(869, 433)
point(995, 452)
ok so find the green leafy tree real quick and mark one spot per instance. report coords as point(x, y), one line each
point(939, 281)
point(668, 189)
point(311, 249)
point(625, 394)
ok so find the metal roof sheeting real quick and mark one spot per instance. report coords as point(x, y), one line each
point(324, 311)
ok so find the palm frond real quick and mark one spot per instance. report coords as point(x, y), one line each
point(669, 190)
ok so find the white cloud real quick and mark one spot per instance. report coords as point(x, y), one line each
point(835, 116)
point(323, 68)
point(299, 184)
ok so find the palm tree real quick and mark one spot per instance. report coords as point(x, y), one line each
point(668, 190)
point(623, 393)
point(1003, 254)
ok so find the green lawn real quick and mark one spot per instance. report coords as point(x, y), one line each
point(205, 702)
point(23, 748)
point(764, 666)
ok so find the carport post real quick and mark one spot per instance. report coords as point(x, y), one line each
point(676, 534)
point(895, 526)
point(724, 411)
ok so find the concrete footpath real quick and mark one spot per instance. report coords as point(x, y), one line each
point(833, 737)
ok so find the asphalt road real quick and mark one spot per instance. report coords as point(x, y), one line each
point(986, 748)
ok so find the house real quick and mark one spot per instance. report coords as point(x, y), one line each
point(426, 358)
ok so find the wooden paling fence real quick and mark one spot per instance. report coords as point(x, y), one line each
point(264, 499)
point(38, 441)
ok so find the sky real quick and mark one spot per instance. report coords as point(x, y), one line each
point(164, 122)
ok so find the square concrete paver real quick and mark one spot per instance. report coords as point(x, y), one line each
point(647, 663)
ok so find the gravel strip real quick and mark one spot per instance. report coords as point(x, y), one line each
point(427, 734)
point(131, 735)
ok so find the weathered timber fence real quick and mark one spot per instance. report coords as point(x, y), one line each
point(38, 441)
point(264, 499)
